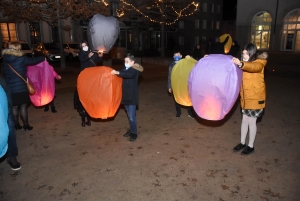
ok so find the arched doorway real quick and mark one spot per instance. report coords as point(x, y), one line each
point(291, 31)
point(261, 28)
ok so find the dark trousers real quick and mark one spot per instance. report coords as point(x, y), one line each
point(178, 109)
point(12, 150)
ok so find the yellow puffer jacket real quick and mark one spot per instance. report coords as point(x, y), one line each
point(253, 89)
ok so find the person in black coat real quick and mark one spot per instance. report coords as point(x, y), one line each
point(87, 59)
point(197, 53)
point(130, 76)
point(19, 92)
point(12, 150)
point(235, 49)
point(218, 47)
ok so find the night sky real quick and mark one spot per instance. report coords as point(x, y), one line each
point(229, 9)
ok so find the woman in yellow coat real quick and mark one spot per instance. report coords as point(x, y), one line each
point(253, 94)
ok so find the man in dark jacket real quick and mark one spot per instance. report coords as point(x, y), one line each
point(130, 76)
point(12, 150)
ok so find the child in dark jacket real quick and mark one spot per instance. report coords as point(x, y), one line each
point(177, 56)
point(130, 76)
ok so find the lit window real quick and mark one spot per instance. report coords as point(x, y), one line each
point(9, 31)
point(217, 25)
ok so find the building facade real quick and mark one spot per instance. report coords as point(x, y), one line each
point(272, 25)
point(205, 24)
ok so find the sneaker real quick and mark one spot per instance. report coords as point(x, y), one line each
point(127, 134)
point(239, 147)
point(177, 115)
point(46, 109)
point(133, 137)
point(14, 164)
point(248, 150)
point(191, 116)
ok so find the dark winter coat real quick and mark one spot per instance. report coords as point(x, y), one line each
point(86, 62)
point(19, 62)
point(197, 53)
point(218, 47)
point(130, 84)
point(235, 51)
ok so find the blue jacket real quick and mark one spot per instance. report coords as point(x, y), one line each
point(86, 62)
point(130, 84)
point(19, 62)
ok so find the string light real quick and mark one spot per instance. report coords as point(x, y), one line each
point(179, 14)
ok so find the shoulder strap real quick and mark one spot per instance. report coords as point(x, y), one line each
point(17, 73)
point(93, 62)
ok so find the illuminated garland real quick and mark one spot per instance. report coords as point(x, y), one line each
point(179, 14)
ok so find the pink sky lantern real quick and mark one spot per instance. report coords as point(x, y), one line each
point(214, 85)
point(99, 91)
point(42, 77)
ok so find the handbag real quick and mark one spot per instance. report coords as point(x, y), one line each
point(30, 86)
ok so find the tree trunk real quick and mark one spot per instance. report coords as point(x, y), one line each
point(162, 35)
point(62, 55)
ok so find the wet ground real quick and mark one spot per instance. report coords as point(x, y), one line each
point(172, 159)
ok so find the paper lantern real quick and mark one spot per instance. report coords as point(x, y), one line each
point(4, 131)
point(228, 45)
point(99, 91)
point(102, 32)
point(179, 80)
point(214, 85)
point(42, 78)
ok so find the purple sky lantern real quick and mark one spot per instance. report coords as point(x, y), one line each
point(214, 85)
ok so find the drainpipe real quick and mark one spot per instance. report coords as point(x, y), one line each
point(275, 21)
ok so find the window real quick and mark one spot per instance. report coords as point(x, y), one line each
point(261, 28)
point(203, 38)
point(217, 25)
point(212, 24)
point(181, 24)
point(204, 24)
point(212, 8)
point(219, 9)
point(204, 7)
point(35, 33)
point(197, 21)
point(291, 31)
point(196, 40)
point(181, 40)
point(9, 31)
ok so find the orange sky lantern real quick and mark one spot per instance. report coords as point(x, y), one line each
point(99, 92)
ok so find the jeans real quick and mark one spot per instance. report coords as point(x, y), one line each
point(131, 109)
point(12, 150)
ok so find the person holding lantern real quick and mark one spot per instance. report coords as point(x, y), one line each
point(130, 76)
point(177, 56)
point(252, 93)
point(53, 110)
point(87, 59)
point(14, 58)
